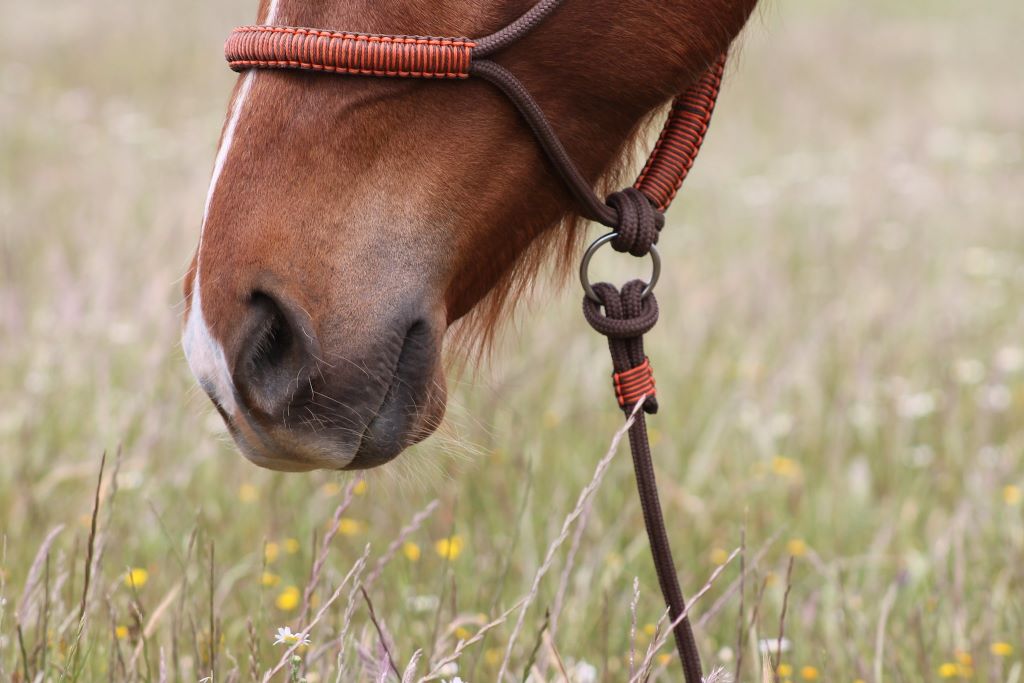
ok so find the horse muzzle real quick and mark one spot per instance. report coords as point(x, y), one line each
point(299, 396)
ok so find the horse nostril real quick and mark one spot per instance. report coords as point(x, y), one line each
point(276, 355)
point(272, 339)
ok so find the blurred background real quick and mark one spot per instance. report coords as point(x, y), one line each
point(840, 360)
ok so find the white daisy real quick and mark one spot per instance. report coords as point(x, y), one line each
point(286, 637)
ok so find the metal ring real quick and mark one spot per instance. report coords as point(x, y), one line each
point(600, 242)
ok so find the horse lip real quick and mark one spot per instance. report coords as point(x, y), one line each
point(398, 420)
point(380, 442)
point(261, 456)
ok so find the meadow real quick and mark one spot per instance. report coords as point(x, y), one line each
point(840, 363)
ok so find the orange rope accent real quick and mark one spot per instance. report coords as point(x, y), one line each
point(681, 138)
point(634, 383)
point(362, 54)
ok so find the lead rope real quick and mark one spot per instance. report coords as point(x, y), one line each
point(627, 316)
point(635, 214)
point(631, 312)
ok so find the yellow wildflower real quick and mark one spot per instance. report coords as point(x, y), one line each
point(1001, 649)
point(288, 599)
point(787, 468)
point(136, 577)
point(948, 670)
point(270, 551)
point(462, 633)
point(411, 551)
point(1012, 495)
point(797, 547)
point(247, 493)
point(350, 527)
point(719, 556)
point(809, 673)
point(650, 629)
point(964, 658)
point(269, 579)
point(784, 670)
point(664, 658)
point(449, 547)
point(121, 632)
point(331, 488)
point(291, 545)
point(493, 656)
point(360, 487)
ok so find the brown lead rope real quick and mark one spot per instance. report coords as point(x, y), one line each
point(635, 214)
point(637, 219)
point(628, 314)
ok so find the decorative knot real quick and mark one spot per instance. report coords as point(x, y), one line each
point(639, 222)
point(627, 315)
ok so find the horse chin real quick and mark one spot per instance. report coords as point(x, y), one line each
point(273, 457)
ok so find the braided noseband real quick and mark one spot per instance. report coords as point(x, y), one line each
point(635, 214)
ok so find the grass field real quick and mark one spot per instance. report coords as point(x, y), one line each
point(840, 361)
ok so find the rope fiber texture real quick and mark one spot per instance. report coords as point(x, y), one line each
point(358, 54)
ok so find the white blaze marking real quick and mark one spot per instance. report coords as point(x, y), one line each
point(204, 354)
point(272, 12)
point(206, 357)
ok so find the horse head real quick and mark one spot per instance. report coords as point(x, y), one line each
point(351, 221)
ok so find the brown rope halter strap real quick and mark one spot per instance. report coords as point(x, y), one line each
point(635, 214)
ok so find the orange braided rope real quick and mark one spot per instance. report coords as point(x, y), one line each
point(635, 383)
point(361, 54)
point(681, 138)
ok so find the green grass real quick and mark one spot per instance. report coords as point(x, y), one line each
point(839, 360)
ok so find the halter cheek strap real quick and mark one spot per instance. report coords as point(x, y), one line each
point(635, 214)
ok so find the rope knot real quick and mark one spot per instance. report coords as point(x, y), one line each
point(628, 314)
point(638, 224)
